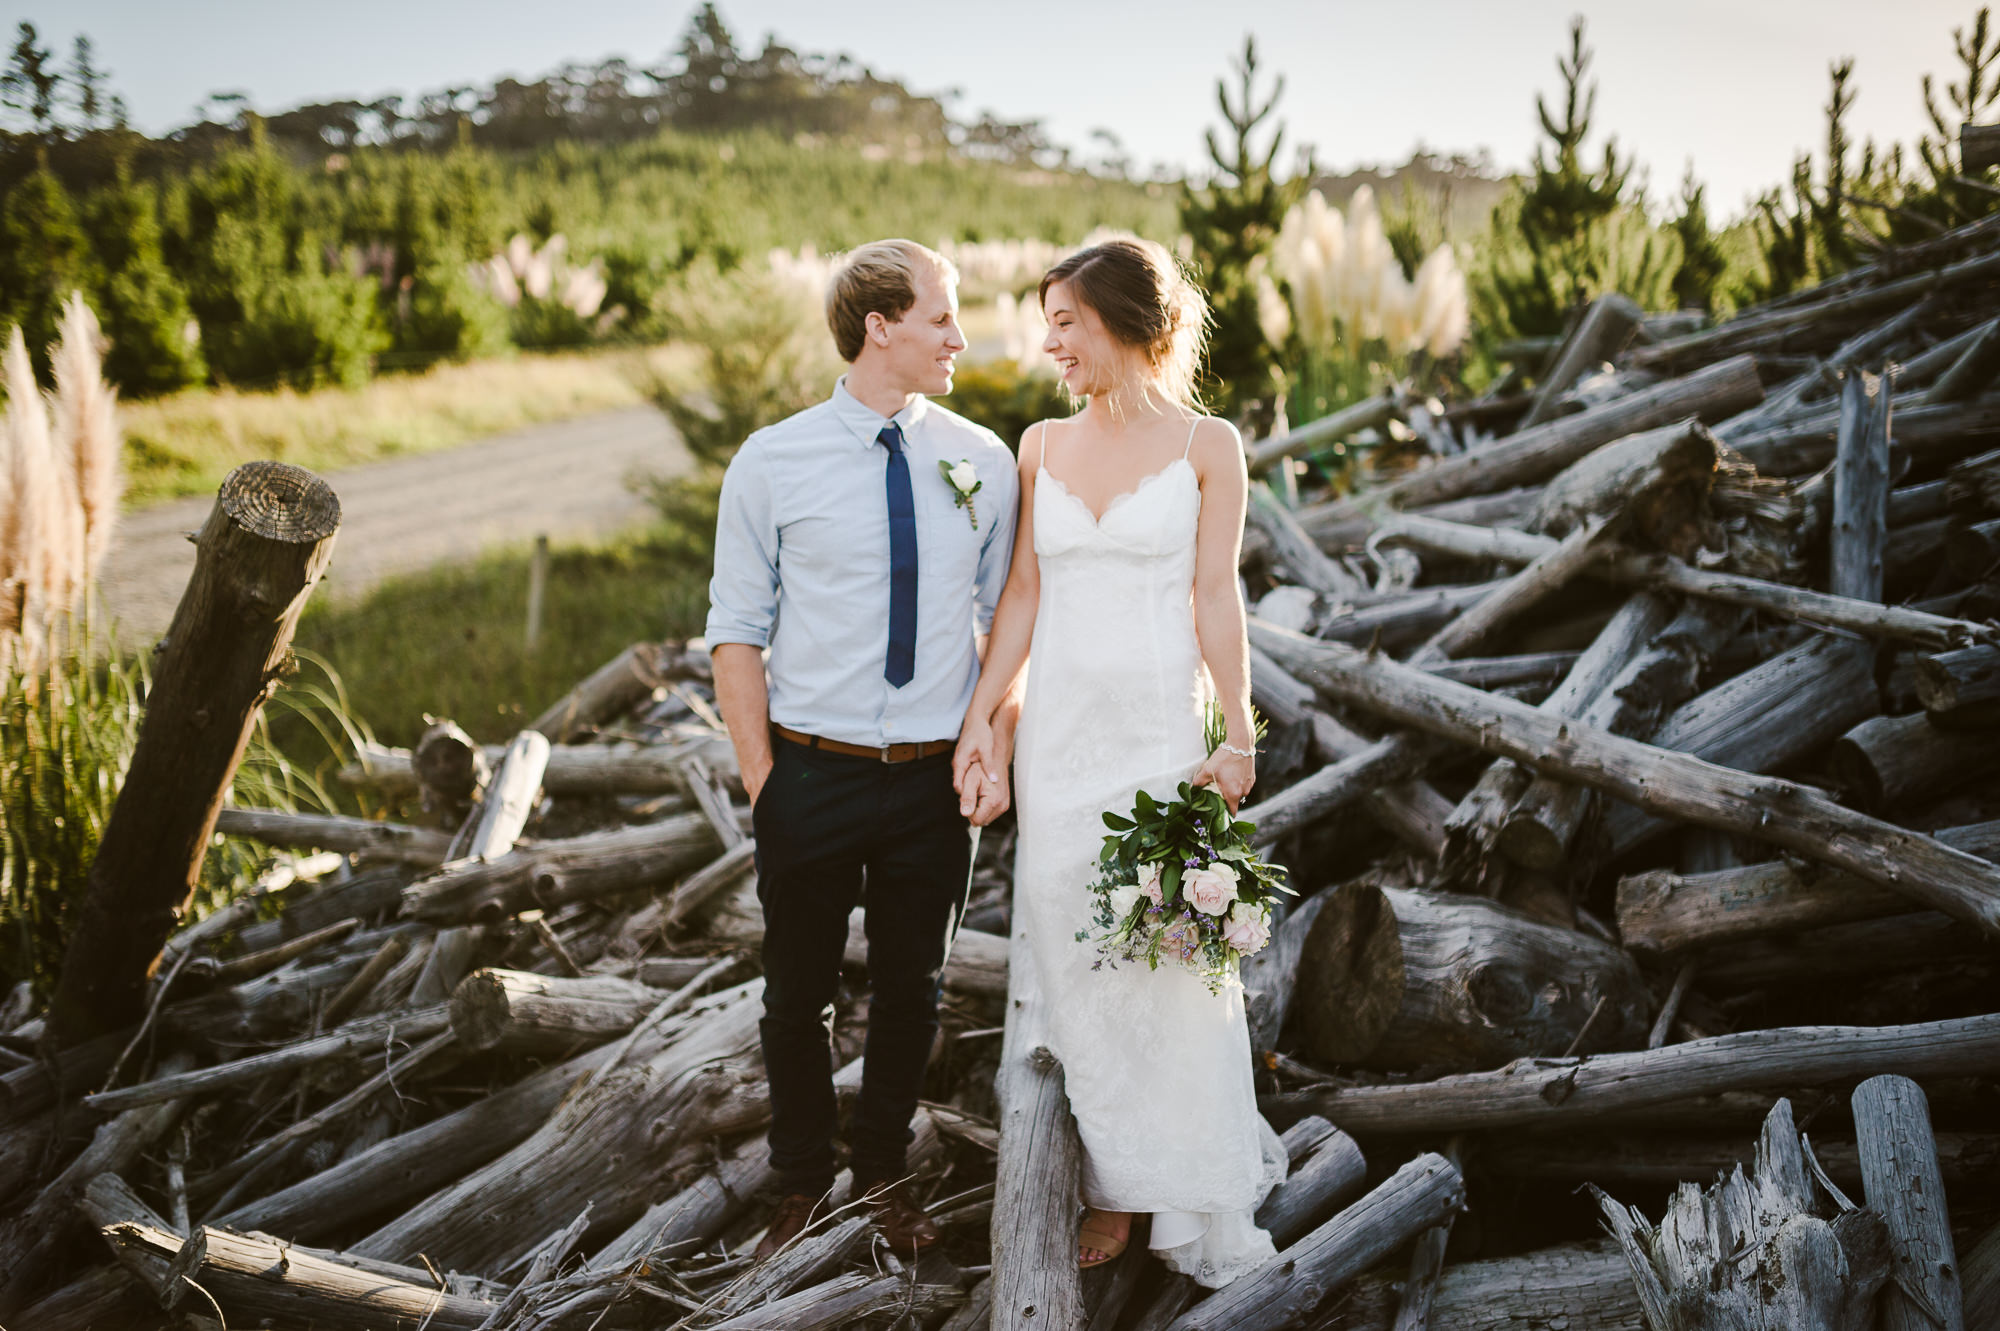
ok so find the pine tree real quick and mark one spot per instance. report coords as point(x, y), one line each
point(87, 82)
point(1971, 100)
point(43, 256)
point(142, 304)
point(28, 86)
point(1702, 261)
point(1232, 222)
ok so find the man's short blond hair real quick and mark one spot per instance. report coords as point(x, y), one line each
point(877, 278)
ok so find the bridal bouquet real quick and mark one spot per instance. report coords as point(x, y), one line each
point(1179, 882)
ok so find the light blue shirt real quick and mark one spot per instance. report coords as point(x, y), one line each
point(802, 567)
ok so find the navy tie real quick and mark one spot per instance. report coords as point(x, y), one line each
point(902, 663)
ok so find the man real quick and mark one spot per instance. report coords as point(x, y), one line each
point(870, 575)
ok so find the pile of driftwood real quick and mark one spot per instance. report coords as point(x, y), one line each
point(1630, 749)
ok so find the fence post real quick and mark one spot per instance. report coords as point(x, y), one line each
point(538, 585)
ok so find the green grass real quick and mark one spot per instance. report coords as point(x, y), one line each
point(186, 444)
point(449, 641)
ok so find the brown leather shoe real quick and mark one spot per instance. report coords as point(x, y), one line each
point(898, 1218)
point(795, 1212)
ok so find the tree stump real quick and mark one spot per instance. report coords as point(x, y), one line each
point(264, 546)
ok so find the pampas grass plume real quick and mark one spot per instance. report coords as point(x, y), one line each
point(86, 419)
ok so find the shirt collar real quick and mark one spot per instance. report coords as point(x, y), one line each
point(864, 423)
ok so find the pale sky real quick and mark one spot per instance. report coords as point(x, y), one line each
point(1738, 88)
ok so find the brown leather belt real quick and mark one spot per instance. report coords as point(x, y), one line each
point(888, 753)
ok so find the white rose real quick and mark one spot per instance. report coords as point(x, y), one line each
point(1123, 897)
point(964, 476)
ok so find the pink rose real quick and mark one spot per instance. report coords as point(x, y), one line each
point(1149, 883)
point(1181, 939)
point(1210, 890)
point(1248, 929)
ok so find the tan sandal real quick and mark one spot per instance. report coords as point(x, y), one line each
point(1100, 1240)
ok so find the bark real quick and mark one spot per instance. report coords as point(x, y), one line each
point(1397, 979)
point(1770, 715)
point(522, 1012)
point(1417, 1196)
point(1924, 942)
point(1583, 1287)
point(1534, 583)
point(601, 1148)
point(1962, 687)
point(257, 557)
point(1599, 336)
point(847, 1300)
point(1294, 551)
point(1981, 1281)
point(1752, 1252)
point(393, 843)
point(1578, 1090)
point(1663, 781)
point(1270, 977)
point(451, 771)
point(1035, 1216)
point(1712, 394)
point(1366, 415)
point(1662, 911)
point(612, 689)
point(1330, 1175)
point(1978, 148)
point(1899, 1169)
point(580, 868)
point(1655, 483)
point(1973, 372)
point(1860, 490)
point(1923, 432)
point(1888, 762)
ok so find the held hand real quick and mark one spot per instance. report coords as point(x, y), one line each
point(978, 754)
point(990, 798)
point(1231, 774)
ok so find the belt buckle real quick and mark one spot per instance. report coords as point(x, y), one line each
point(883, 753)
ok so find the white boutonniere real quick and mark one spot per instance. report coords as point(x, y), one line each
point(963, 478)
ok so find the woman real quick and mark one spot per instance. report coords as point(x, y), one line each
point(1124, 579)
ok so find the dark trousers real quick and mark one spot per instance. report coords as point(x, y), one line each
point(827, 823)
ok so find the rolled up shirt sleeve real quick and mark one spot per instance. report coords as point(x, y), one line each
point(996, 556)
point(743, 593)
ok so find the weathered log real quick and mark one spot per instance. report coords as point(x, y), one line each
point(411, 1165)
point(1978, 148)
point(1410, 810)
point(1279, 1293)
point(1923, 432)
point(1586, 1287)
point(1533, 583)
point(610, 690)
point(1330, 1174)
point(1712, 394)
point(367, 894)
point(269, 1007)
point(622, 768)
point(1981, 1281)
point(558, 872)
point(811, 1258)
point(522, 1012)
point(1769, 715)
point(1384, 763)
point(1369, 414)
point(1625, 1159)
point(255, 1279)
point(1655, 484)
point(600, 1147)
point(451, 771)
point(395, 843)
point(1578, 1090)
point(1606, 326)
point(1473, 826)
point(1270, 977)
point(1753, 1252)
point(1661, 780)
point(1860, 489)
point(368, 1035)
point(1918, 941)
point(977, 964)
point(1539, 830)
point(1662, 911)
point(104, 1297)
point(257, 557)
point(253, 964)
point(1335, 526)
point(1292, 549)
point(1899, 1169)
point(1962, 687)
point(33, 1232)
point(846, 1300)
point(1035, 1216)
point(1409, 618)
point(1890, 761)
point(1974, 370)
point(1399, 979)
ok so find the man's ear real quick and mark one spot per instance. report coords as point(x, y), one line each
point(876, 326)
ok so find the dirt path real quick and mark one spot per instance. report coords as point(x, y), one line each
point(566, 480)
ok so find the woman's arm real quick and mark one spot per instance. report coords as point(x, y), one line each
point(987, 737)
point(1218, 603)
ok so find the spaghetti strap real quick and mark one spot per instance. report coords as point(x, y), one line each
point(1193, 425)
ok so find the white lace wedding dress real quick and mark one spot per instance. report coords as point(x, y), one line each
point(1157, 1068)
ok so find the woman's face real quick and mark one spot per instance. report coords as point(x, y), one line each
point(1089, 359)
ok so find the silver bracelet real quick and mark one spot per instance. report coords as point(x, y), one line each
point(1250, 752)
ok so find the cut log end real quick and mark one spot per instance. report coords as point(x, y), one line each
point(1352, 988)
point(280, 502)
